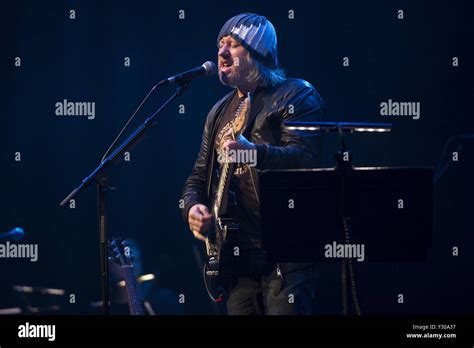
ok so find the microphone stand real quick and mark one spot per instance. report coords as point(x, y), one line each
point(99, 175)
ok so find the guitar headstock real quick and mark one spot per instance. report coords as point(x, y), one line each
point(242, 114)
point(121, 252)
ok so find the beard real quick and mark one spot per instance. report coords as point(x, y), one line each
point(238, 76)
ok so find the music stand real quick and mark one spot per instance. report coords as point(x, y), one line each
point(321, 209)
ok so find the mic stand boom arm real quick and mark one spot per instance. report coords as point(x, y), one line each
point(100, 176)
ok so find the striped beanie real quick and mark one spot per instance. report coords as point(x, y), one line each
point(256, 34)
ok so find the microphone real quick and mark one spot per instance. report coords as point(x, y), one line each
point(208, 68)
point(15, 234)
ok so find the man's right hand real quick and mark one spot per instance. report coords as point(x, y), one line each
point(199, 220)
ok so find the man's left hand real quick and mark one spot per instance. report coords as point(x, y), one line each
point(241, 144)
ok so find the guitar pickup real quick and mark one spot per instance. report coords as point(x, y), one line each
point(229, 223)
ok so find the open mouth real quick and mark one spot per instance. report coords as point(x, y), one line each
point(226, 67)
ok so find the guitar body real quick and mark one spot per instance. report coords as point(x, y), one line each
point(218, 269)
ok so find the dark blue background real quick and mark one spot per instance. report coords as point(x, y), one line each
point(83, 60)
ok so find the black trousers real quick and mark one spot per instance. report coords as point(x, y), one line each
point(272, 289)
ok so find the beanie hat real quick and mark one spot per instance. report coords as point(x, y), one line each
point(256, 34)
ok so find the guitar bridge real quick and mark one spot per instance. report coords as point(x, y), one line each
point(228, 223)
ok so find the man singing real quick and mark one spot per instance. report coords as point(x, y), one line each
point(247, 62)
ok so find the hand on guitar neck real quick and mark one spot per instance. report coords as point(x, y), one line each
point(240, 144)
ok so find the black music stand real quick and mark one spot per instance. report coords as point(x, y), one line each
point(386, 210)
point(391, 230)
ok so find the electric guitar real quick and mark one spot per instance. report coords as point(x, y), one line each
point(121, 253)
point(217, 271)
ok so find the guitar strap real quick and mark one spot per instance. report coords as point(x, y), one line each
point(259, 98)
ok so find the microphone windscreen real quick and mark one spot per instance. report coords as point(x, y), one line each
point(210, 67)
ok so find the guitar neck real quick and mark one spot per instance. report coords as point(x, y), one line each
point(226, 173)
point(227, 168)
point(133, 293)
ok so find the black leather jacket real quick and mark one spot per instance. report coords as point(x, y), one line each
point(277, 148)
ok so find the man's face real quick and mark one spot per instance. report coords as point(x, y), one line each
point(232, 60)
